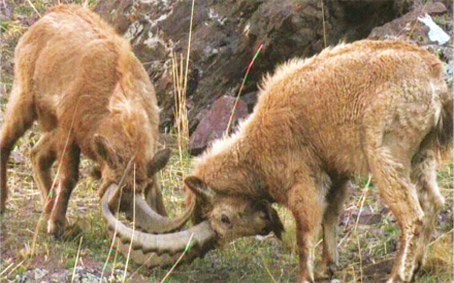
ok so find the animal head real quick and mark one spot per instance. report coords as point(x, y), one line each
point(135, 170)
point(233, 216)
point(223, 218)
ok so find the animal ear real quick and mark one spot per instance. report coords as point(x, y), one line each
point(159, 161)
point(276, 225)
point(199, 188)
point(105, 151)
point(276, 222)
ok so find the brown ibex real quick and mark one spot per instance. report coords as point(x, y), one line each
point(90, 95)
point(370, 106)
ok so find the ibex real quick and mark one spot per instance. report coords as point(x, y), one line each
point(90, 95)
point(371, 106)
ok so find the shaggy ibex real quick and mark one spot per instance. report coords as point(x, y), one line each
point(90, 94)
point(371, 106)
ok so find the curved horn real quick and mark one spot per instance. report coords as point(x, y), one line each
point(146, 218)
point(150, 220)
point(202, 235)
point(152, 260)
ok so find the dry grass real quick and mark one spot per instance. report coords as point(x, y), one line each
point(181, 114)
point(180, 69)
point(364, 249)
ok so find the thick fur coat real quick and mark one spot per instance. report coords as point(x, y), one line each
point(371, 106)
point(80, 80)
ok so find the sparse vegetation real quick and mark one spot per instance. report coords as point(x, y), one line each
point(28, 254)
point(245, 260)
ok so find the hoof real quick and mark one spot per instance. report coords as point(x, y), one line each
point(395, 279)
point(56, 228)
point(2, 207)
point(325, 272)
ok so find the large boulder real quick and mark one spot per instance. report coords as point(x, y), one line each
point(226, 34)
point(216, 122)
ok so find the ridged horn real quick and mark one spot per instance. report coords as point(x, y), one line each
point(200, 237)
point(152, 260)
point(149, 220)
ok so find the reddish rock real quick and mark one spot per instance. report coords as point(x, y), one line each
point(213, 126)
point(368, 218)
point(199, 117)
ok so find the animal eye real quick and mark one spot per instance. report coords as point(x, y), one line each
point(225, 219)
point(263, 216)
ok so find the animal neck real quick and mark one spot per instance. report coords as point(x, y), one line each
point(276, 149)
point(229, 166)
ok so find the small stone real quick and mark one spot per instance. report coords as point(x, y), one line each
point(17, 157)
point(40, 273)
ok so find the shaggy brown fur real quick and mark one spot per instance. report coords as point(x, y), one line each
point(90, 94)
point(371, 106)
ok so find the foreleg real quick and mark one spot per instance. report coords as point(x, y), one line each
point(68, 175)
point(335, 200)
point(307, 208)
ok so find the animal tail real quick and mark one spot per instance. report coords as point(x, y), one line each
point(444, 130)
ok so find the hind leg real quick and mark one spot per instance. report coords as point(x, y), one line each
point(335, 200)
point(43, 156)
point(392, 174)
point(19, 116)
point(395, 126)
point(424, 176)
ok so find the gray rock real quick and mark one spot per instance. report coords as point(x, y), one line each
point(250, 99)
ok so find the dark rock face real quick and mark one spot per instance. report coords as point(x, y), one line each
point(226, 34)
point(214, 125)
point(408, 25)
